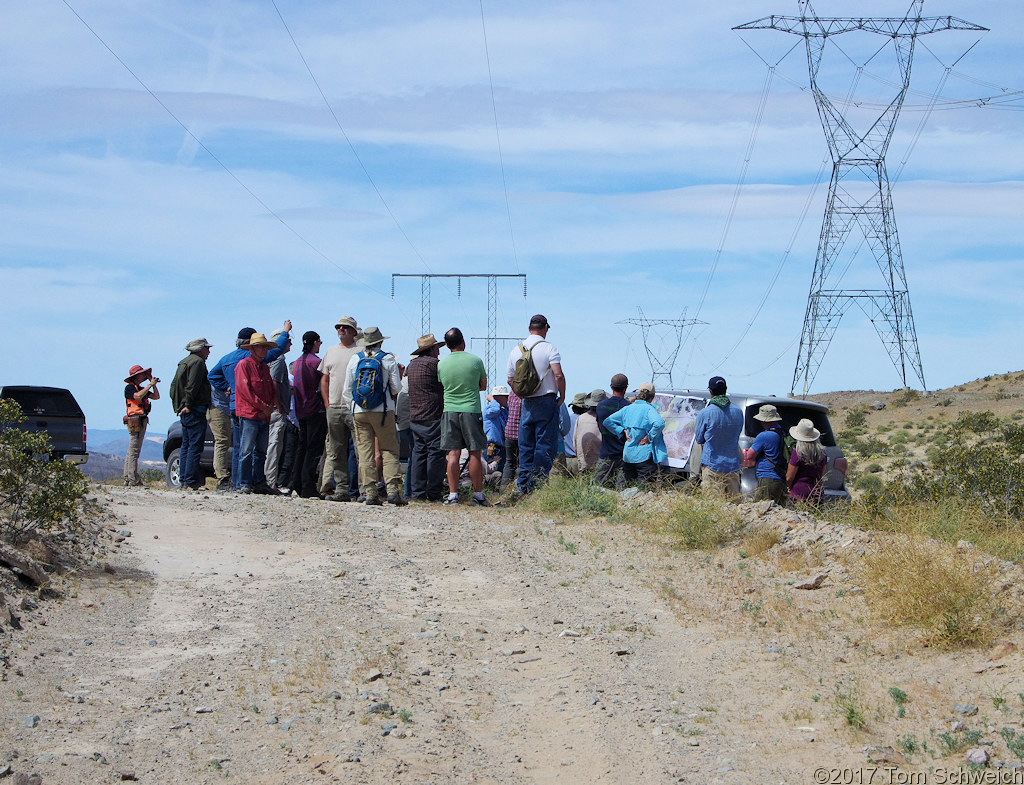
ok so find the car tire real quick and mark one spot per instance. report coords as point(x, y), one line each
point(171, 473)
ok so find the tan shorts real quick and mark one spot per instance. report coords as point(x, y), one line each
point(723, 483)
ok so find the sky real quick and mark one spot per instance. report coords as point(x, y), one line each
point(176, 169)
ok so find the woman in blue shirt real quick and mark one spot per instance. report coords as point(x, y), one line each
point(642, 425)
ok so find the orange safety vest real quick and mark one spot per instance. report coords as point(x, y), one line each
point(137, 407)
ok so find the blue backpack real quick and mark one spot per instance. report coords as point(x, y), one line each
point(370, 382)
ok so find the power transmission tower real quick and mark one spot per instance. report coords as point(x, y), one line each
point(661, 367)
point(859, 194)
point(498, 377)
point(492, 303)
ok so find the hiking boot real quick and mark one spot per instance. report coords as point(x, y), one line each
point(337, 497)
point(480, 502)
point(244, 489)
point(224, 484)
point(264, 489)
point(373, 501)
point(397, 499)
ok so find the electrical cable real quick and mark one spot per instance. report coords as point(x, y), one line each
point(217, 160)
point(497, 134)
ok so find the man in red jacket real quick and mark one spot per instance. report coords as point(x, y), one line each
point(256, 399)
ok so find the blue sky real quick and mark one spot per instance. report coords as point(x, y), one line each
point(623, 132)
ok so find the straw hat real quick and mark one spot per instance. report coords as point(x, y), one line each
point(768, 413)
point(425, 343)
point(804, 431)
point(134, 371)
point(346, 321)
point(256, 340)
point(372, 337)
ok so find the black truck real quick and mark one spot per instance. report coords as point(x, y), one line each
point(54, 411)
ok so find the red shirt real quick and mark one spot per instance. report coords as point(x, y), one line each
point(254, 389)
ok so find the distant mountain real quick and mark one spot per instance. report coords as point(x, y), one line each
point(102, 466)
point(116, 443)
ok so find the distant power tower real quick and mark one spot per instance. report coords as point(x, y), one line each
point(492, 304)
point(859, 195)
point(661, 366)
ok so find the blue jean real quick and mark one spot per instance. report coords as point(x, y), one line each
point(255, 436)
point(193, 434)
point(538, 440)
point(236, 453)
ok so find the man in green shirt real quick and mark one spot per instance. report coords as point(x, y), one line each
point(462, 426)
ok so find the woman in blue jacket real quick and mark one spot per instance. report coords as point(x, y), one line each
point(642, 425)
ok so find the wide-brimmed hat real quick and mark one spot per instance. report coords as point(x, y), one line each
point(501, 389)
point(595, 397)
point(277, 334)
point(373, 337)
point(256, 340)
point(579, 403)
point(134, 371)
point(346, 321)
point(768, 413)
point(804, 431)
point(196, 344)
point(425, 343)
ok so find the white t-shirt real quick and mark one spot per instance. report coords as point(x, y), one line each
point(543, 353)
point(334, 364)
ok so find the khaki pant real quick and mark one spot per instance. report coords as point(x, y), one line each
point(220, 425)
point(339, 434)
point(369, 425)
point(131, 458)
point(723, 483)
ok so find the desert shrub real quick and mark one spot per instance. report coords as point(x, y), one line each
point(869, 483)
point(151, 475)
point(577, 497)
point(919, 582)
point(856, 418)
point(903, 397)
point(873, 468)
point(865, 447)
point(699, 523)
point(36, 494)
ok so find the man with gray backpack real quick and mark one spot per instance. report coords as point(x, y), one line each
point(372, 384)
point(534, 372)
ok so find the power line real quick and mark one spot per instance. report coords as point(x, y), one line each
point(214, 157)
point(497, 134)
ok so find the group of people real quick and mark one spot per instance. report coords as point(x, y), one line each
point(332, 427)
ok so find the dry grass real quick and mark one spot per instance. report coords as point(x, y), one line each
point(757, 541)
point(914, 581)
point(950, 521)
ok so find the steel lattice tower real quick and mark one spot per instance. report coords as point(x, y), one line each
point(492, 304)
point(661, 367)
point(859, 195)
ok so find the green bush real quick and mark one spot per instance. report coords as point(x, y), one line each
point(869, 483)
point(700, 523)
point(856, 418)
point(574, 496)
point(36, 494)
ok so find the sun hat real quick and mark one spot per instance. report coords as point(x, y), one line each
point(256, 340)
point(804, 431)
point(425, 343)
point(500, 390)
point(372, 337)
point(647, 389)
point(768, 413)
point(346, 321)
point(277, 334)
point(595, 397)
point(578, 403)
point(196, 344)
point(134, 371)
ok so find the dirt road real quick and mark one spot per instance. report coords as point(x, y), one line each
point(279, 640)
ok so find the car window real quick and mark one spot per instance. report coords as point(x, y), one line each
point(792, 414)
point(39, 402)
